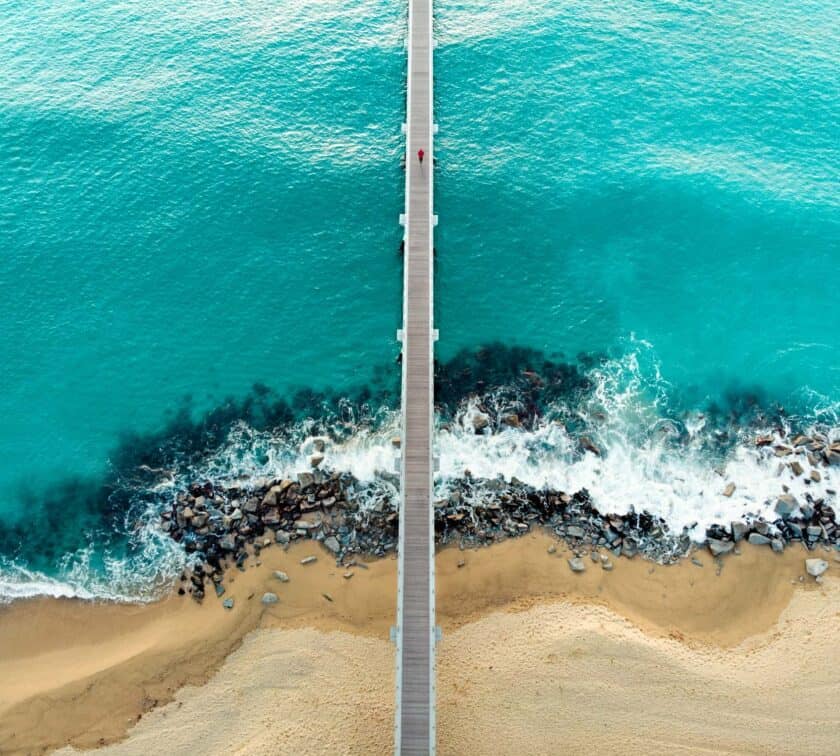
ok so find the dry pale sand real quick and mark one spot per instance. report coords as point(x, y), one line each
point(535, 659)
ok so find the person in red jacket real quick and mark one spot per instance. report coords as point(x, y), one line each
point(420, 154)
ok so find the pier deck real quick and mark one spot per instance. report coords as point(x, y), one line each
point(415, 631)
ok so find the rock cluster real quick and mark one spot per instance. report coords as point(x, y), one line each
point(817, 448)
point(811, 522)
point(220, 525)
point(808, 519)
point(478, 511)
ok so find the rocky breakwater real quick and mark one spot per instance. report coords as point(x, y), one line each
point(479, 511)
point(220, 525)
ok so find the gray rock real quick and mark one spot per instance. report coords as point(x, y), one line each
point(815, 567)
point(718, 547)
point(786, 504)
point(332, 544)
point(778, 545)
point(739, 530)
point(282, 537)
point(269, 598)
point(309, 560)
point(573, 531)
point(220, 589)
point(814, 531)
point(281, 576)
point(577, 564)
point(552, 549)
point(756, 539)
point(228, 543)
point(608, 565)
point(228, 603)
point(305, 479)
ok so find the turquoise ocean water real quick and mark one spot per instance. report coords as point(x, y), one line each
point(195, 199)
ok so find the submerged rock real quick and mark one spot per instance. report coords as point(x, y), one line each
point(480, 421)
point(587, 444)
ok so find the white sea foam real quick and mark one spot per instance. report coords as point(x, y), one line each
point(146, 574)
point(642, 467)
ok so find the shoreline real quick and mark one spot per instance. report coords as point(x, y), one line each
point(80, 673)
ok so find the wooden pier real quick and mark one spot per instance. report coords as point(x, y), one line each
point(415, 630)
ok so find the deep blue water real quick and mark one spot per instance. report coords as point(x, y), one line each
point(197, 199)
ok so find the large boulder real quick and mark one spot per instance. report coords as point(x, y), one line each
point(786, 504)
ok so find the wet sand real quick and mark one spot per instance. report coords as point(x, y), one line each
point(534, 658)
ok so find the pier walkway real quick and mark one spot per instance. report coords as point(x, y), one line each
point(415, 632)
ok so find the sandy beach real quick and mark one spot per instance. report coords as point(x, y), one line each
point(644, 658)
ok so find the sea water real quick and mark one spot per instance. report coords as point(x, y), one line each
point(198, 209)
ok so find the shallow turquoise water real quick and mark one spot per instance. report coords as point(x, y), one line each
point(658, 169)
point(195, 199)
